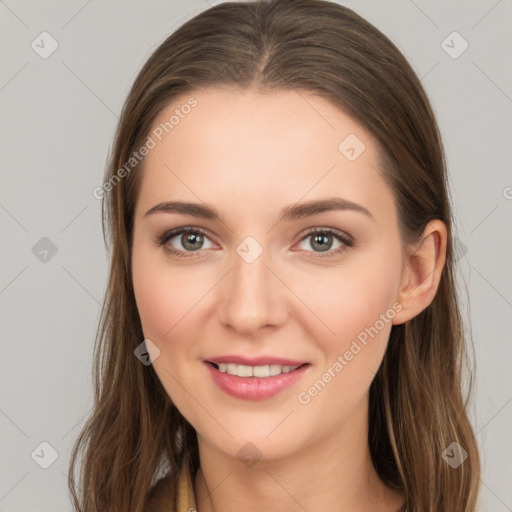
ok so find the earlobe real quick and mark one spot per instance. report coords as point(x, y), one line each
point(422, 272)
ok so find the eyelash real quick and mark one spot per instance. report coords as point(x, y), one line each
point(341, 237)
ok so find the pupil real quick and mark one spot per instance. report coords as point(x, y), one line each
point(323, 241)
point(189, 239)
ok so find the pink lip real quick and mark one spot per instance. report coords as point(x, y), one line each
point(255, 361)
point(255, 388)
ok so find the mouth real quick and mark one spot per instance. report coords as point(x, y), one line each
point(260, 371)
point(257, 381)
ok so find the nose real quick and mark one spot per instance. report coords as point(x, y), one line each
point(252, 298)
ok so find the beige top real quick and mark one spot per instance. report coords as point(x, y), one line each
point(161, 496)
point(186, 498)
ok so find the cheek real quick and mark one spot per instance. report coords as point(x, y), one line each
point(154, 302)
point(165, 297)
point(165, 302)
point(353, 313)
point(345, 303)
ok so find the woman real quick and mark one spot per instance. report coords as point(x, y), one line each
point(281, 328)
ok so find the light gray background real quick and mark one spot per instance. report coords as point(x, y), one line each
point(58, 119)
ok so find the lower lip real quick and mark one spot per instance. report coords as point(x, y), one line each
point(255, 388)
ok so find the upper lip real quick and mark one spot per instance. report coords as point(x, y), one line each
point(255, 361)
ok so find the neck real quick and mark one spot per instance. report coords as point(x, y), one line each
point(336, 471)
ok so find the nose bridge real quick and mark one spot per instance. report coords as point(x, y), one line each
point(252, 297)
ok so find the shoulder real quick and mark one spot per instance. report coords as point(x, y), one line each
point(160, 497)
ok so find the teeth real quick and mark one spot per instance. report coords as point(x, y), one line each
point(242, 370)
point(275, 369)
point(260, 371)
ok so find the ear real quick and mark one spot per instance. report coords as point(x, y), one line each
point(422, 271)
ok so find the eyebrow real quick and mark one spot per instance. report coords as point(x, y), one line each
point(289, 213)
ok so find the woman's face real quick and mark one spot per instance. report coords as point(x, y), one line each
point(256, 286)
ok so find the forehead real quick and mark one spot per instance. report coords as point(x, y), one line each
point(255, 146)
point(287, 122)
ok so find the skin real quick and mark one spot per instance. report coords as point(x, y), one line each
point(250, 155)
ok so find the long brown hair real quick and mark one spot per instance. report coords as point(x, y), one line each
point(135, 434)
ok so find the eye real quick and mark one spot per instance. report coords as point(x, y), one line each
point(184, 240)
point(323, 239)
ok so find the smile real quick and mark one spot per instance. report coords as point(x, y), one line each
point(255, 382)
point(241, 370)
